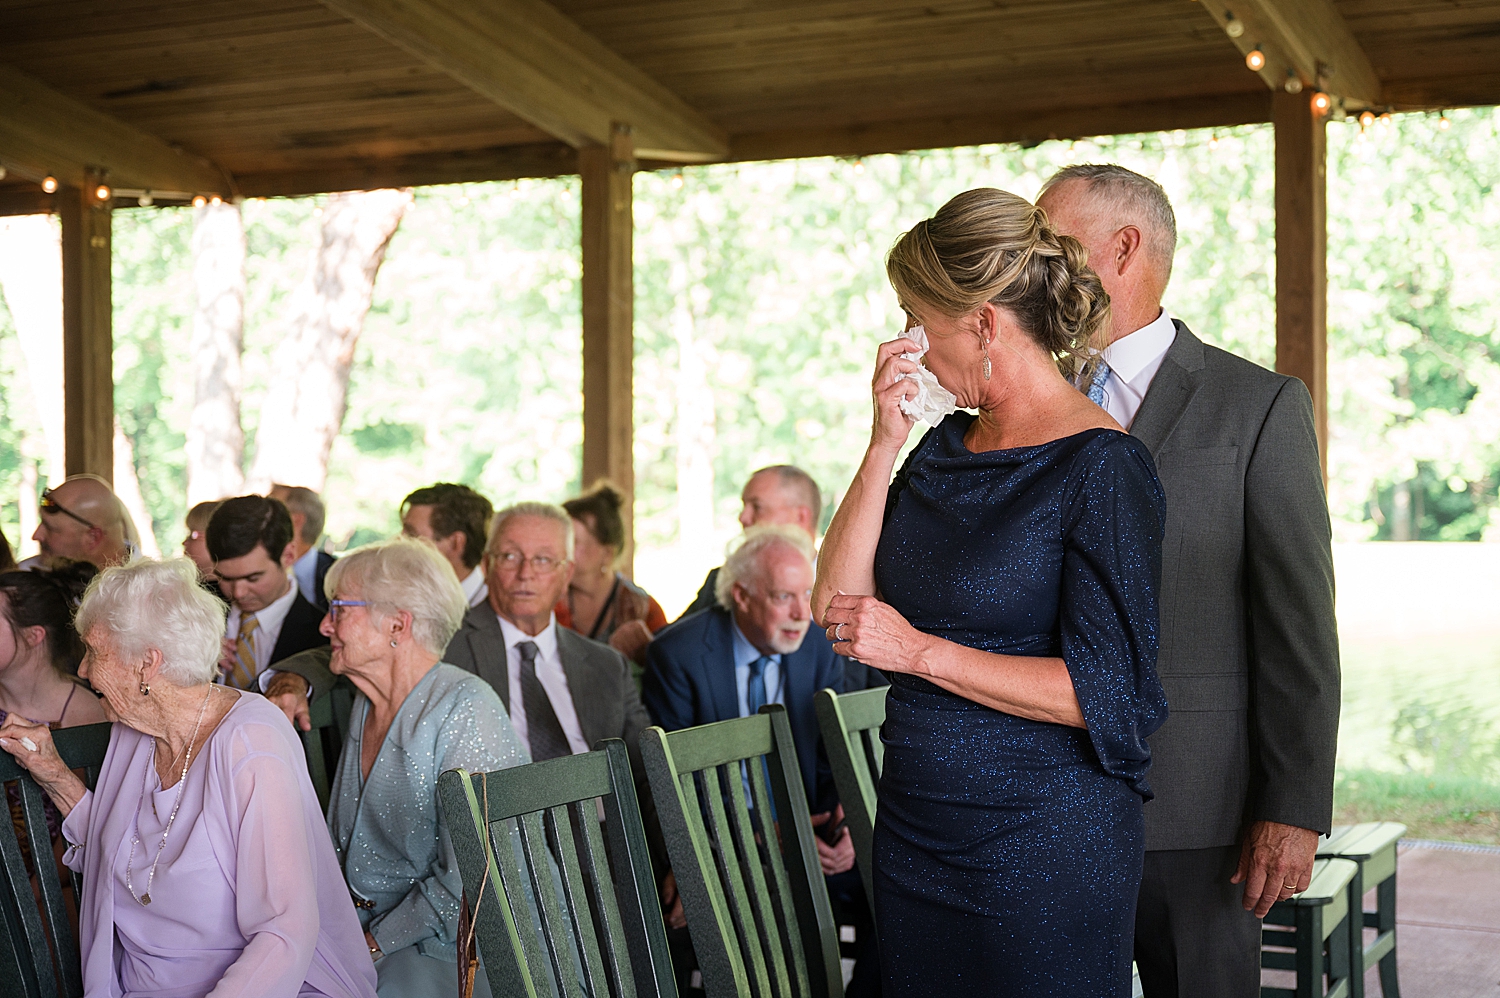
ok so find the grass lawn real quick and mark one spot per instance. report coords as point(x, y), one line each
point(1454, 808)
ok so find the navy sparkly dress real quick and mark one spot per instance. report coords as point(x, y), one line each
point(1008, 851)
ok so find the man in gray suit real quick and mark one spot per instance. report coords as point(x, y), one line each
point(1243, 768)
point(563, 691)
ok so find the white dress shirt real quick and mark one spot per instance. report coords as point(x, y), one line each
point(476, 590)
point(549, 672)
point(1133, 361)
point(305, 571)
point(744, 654)
point(270, 620)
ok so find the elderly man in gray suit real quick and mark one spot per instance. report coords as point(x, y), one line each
point(1243, 769)
point(563, 691)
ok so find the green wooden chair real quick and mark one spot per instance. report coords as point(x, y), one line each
point(38, 952)
point(606, 927)
point(1317, 928)
point(747, 868)
point(322, 744)
point(1372, 846)
point(850, 725)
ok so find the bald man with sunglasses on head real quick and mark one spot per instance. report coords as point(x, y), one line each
point(83, 520)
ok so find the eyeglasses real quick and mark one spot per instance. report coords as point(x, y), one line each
point(335, 605)
point(51, 505)
point(541, 564)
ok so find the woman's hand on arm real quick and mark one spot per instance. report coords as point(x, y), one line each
point(32, 746)
point(846, 562)
point(872, 632)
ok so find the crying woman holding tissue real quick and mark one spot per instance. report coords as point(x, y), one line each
point(1006, 580)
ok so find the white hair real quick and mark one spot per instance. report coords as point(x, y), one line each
point(405, 574)
point(147, 604)
point(1131, 197)
point(544, 510)
point(744, 560)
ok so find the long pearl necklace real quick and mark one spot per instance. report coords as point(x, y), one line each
point(135, 838)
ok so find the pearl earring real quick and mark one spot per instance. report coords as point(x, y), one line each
point(393, 643)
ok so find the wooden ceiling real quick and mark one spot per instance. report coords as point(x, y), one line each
point(285, 97)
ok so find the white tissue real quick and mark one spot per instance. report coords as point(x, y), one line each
point(932, 401)
point(28, 743)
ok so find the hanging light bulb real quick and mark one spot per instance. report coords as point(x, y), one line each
point(1255, 60)
point(1443, 123)
point(145, 200)
point(1233, 26)
point(678, 180)
point(49, 184)
point(1366, 119)
point(1385, 119)
point(199, 201)
point(1293, 84)
point(102, 192)
point(1321, 103)
point(216, 200)
point(859, 167)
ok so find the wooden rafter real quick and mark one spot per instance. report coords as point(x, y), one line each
point(44, 132)
point(529, 58)
point(1307, 38)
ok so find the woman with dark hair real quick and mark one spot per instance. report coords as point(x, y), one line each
point(40, 650)
point(601, 603)
point(7, 556)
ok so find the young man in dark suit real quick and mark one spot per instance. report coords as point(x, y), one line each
point(1243, 767)
point(755, 646)
point(250, 543)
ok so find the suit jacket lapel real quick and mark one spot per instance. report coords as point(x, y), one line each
point(576, 667)
point(1171, 390)
point(487, 645)
point(718, 652)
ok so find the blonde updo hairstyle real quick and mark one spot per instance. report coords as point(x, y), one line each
point(988, 245)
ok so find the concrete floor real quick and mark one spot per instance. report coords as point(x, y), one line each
point(1447, 921)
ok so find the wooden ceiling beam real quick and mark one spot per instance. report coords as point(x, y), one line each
point(44, 132)
point(529, 58)
point(535, 160)
point(1305, 38)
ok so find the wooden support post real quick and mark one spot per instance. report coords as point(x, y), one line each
point(1301, 252)
point(608, 311)
point(88, 343)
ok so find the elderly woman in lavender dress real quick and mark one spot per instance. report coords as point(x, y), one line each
point(206, 866)
point(393, 607)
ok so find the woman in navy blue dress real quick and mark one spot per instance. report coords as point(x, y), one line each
point(1007, 581)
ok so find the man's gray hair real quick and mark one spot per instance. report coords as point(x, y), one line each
point(744, 561)
point(405, 574)
point(545, 510)
point(147, 604)
point(1134, 198)
point(298, 499)
point(800, 484)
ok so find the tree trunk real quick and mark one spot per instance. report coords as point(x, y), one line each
point(128, 490)
point(215, 441)
point(31, 280)
point(304, 407)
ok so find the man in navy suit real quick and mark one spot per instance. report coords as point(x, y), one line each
point(754, 647)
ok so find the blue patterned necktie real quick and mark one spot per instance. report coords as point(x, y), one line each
point(755, 688)
point(1096, 386)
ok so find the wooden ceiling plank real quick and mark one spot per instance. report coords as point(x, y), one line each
point(529, 58)
point(1307, 37)
point(45, 132)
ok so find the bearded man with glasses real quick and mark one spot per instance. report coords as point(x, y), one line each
point(83, 520)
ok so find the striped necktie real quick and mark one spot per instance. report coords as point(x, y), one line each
point(543, 730)
point(244, 653)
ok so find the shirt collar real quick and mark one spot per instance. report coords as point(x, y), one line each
point(270, 618)
point(308, 561)
point(546, 642)
point(744, 651)
point(1132, 353)
point(471, 583)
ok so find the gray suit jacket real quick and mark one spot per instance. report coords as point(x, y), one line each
point(605, 696)
point(1249, 647)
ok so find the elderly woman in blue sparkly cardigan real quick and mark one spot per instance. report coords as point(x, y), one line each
point(393, 608)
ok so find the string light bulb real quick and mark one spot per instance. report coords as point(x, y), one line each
point(199, 201)
point(216, 200)
point(859, 167)
point(1443, 123)
point(1321, 103)
point(1213, 141)
point(1366, 119)
point(1255, 60)
point(1233, 26)
point(1293, 84)
point(1385, 119)
point(102, 192)
point(49, 184)
point(145, 200)
point(678, 180)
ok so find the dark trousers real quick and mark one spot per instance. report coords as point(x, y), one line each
point(1193, 937)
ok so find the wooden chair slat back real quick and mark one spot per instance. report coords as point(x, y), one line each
point(38, 942)
point(560, 906)
point(746, 867)
point(850, 725)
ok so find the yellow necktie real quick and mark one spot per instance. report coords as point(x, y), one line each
point(244, 668)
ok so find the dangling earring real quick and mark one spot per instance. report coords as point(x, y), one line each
point(986, 364)
point(393, 644)
point(145, 689)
